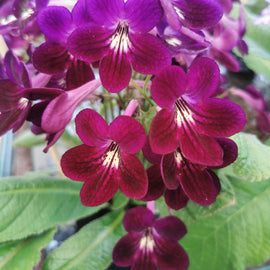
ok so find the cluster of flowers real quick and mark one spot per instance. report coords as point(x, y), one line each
point(176, 42)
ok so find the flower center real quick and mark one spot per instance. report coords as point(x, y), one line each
point(111, 156)
point(147, 241)
point(183, 113)
point(120, 40)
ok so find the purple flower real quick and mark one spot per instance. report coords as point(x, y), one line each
point(119, 38)
point(151, 244)
point(53, 56)
point(106, 160)
point(190, 118)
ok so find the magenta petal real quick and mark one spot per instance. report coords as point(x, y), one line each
point(144, 259)
point(149, 154)
point(105, 12)
point(226, 59)
point(133, 178)
point(80, 14)
point(170, 169)
point(219, 117)
point(90, 42)
point(138, 218)
point(115, 71)
point(148, 54)
point(10, 94)
point(142, 15)
point(55, 22)
point(51, 58)
point(170, 255)
point(91, 128)
point(155, 184)
point(163, 132)
point(125, 249)
point(128, 133)
point(198, 185)
point(170, 227)
point(168, 86)
point(176, 199)
point(203, 79)
point(78, 74)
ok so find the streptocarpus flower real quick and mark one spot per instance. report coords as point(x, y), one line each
point(119, 38)
point(190, 118)
point(106, 160)
point(151, 244)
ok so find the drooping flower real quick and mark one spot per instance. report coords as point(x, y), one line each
point(151, 244)
point(119, 38)
point(106, 160)
point(190, 118)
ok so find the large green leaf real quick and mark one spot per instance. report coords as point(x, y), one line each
point(23, 254)
point(31, 206)
point(89, 249)
point(232, 233)
point(252, 163)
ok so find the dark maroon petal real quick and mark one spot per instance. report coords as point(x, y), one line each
point(90, 42)
point(147, 54)
point(78, 74)
point(168, 86)
point(133, 178)
point(215, 181)
point(55, 22)
point(42, 93)
point(171, 168)
point(226, 59)
point(51, 58)
point(138, 218)
point(52, 139)
point(149, 154)
point(170, 255)
point(105, 12)
point(198, 185)
point(203, 79)
point(80, 14)
point(91, 128)
point(230, 152)
point(142, 15)
point(170, 227)
point(219, 117)
point(155, 184)
point(144, 260)
point(128, 133)
point(115, 71)
point(176, 199)
point(10, 94)
point(163, 132)
point(125, 249)
point(36, 112)
point(198, 14)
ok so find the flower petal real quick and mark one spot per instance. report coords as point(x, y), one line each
point(115, 71)
point(226, 59)
point(144, 259)
point(148, 54)
point(137, 219)
point(55, 22)
point(163, 132)
point(80, 14)
point(149, 154)
point(219, 117)
point(203, 79)
point(91, 128)
point(198, 185)
point(51, 58)
point(142, 15)
point(125, 249)
point(168, 86)
point(133, 178)
point(176, 199)
point(170, 227)
point(128, 133)
point(170, 255)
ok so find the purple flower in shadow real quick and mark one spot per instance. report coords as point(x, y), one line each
point(118, 37)
point(190, 118)
point(106, 160)
point(151, 243)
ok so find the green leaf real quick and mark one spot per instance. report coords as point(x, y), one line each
point(252, 163)
point(23, 254)
point(119, 200)
point(28, 139)
point(231, 234)
point(31, 206)
point(89, 249)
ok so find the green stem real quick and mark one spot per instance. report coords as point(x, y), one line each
point(142, 92)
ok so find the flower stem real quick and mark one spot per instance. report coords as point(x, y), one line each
point(142, 92)
point(131, 107)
